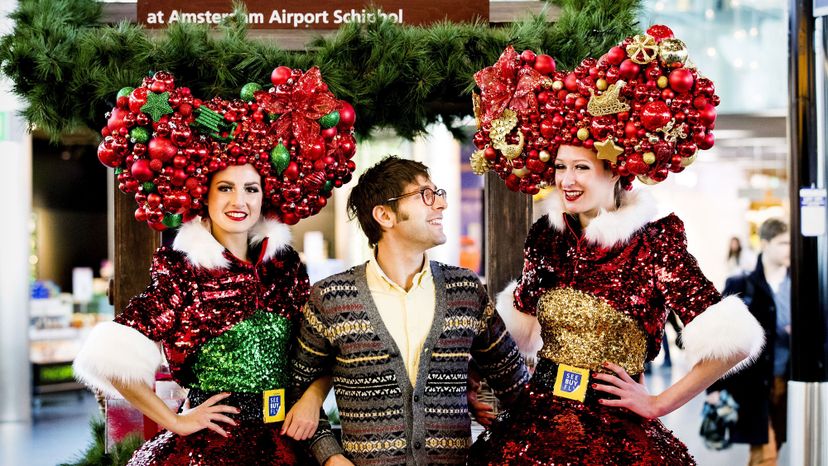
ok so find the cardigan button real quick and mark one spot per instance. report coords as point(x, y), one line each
point(416, 398)
point(418, 445)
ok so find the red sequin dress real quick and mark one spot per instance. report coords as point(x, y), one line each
point(599, 298)
point(223, 328)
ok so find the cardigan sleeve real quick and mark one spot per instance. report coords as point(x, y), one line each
point(497, 354)
point(313, 358)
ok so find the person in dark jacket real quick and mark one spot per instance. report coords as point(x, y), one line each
point(761, 388)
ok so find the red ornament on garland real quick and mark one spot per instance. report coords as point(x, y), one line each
point(544, 64)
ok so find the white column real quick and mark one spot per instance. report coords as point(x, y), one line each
point(16, 192)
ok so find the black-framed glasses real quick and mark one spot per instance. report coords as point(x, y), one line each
point(429, 195)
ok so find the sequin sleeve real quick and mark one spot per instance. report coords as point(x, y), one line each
point(685, 289)
point(290, 288)
point(529, 287)
point(153, 312)
point(496, 353)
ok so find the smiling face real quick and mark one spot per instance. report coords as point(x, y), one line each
point(415, 222)
point(234, 200)
point(584, 183)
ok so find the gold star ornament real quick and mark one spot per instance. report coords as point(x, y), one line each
point(608, 150)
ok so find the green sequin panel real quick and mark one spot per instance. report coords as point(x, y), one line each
point(250, 357)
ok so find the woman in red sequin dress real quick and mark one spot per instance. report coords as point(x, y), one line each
point(223, 303)
point(600, 273)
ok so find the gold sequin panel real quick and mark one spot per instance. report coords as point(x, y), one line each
point(584, 331)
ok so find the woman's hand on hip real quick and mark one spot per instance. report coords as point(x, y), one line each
point(631, 394)
point(207, 415)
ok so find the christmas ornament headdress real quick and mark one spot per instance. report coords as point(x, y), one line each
point(164, 144)
point(642, 106)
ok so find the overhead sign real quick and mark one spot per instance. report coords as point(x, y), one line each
point(301, 14)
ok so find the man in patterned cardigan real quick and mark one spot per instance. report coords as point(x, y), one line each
point(397, 334)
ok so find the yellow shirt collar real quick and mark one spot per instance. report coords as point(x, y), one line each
point(419, 278)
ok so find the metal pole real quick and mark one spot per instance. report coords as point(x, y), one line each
point(808, 389)
point(16, 189)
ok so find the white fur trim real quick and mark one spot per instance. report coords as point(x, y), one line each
point(724, 330)
point(523, 328)
point(203, 250)
point(116, 352)
point(199, 245)
point(611, 227)
point(277, 234)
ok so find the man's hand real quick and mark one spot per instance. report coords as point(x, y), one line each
point(338, 460)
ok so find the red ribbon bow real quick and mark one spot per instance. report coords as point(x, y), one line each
point(502, 85)
point(308, 101)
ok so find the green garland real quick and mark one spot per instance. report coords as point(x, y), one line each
point(68, 66)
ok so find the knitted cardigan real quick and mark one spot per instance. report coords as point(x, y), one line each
point(385, 420)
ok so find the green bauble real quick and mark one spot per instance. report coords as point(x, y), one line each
point(119, 170)
point(125, 91)
point(279, 158)
point(147, 187)
point(139, 134)
point(330, 120)
point(328, 187)
point(172, 220)
point(248, 90)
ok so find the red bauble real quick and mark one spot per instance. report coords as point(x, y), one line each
point(513, 182)
point(292, 171)
point(140, 214)
point(571, 82)
point(655, 115)
point(616, 55)
point(660, 32)
point(289, 218)
point(681, 80)
point(162, 149)
point(137, 99)
point(347, 116)
point(141, 170)
point(280, 75)
point(157, 226)
point(315, 150)
point(704, 141)
point(116, 119)
point(329, 133)
point(528, 57)
point(490, 154)
point(348, 145)
point(628, 69)
point(544, 64)
point(547, 128)
point(107, 156)
point(707, 115)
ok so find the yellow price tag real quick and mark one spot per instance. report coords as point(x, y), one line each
point(274, 406)
point(571, 382)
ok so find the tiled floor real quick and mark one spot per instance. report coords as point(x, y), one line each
point(58, 433)
point(60, 430)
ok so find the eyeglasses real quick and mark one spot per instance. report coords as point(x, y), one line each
point(429, 195)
